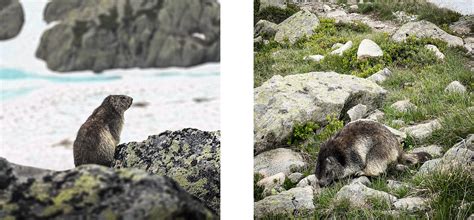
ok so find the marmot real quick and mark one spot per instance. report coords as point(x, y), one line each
point(99, 135)
point(361, 148)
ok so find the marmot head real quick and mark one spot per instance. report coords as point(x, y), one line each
point(330, 165)
point(119, 103)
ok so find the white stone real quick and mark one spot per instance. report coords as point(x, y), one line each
point(280, 160)
point(294, 202)
point(357, 112)
point(359, 195)
point(376, 115)
point(412, 204)
point(368, 48)
point(315, 58)
point(422, 131)
point(435, 50)
point(380, 76)
point(455, 87)
point(339, 51)
point(404, 106)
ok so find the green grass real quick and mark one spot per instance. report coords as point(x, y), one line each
point(273, 14)
point(383, 9)
point(257, 190)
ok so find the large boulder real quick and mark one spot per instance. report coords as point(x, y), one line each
point(297, 202)
point(297, 26)
point(422, 29)
point(189, 156)
point(94, 192)
point(100, 34)
point(281, 160)
point(282, 102)
point(11, 18)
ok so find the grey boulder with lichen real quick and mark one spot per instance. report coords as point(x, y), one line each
point(11, 19)
point(100, 34)
point(189, 156)
point(93, 192)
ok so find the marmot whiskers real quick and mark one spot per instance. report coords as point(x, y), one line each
point(99, 135)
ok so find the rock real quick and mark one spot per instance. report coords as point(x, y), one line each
point(463, 25)
point(297, 26)
point(101, 34)
point(467, 143)
point(96, 192)
point(265, 29)
point(295, 202)
point(396, 185)
point(336, 45)
point(339, 51)
point(257, 40)
point(359, 196)
point(279, 160)
point(326, 8)
point(11, 19)
point(189, 156)
point(282, 102)
point(403, 17)
point(422, 29)
point(422, 131)
point(398, 123)
point(455, 87)
point(315, 58)
point(272, 184)
point(380, 76)
point(404, 106)
point(295, 177)
point(412, 204)
point(354, 7)
point(310, 180)
point(357, 112)
point(368, 48)
point(376, 115)
point(469, 45)
point(460, 156)
point(433, 150)
point(336, 13)
point(435, 50)
point(361, 180)
point(272, 3)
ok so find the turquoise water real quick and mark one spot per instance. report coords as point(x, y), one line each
point(15, 74)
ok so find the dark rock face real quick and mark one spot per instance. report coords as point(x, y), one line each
point(11, 18)
point(100, 34)
point(95, 192)
point(189, 156)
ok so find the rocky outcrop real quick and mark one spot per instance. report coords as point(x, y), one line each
point(11, 19)
point(279, 160)
point(189, 156)
point(282, 102)
point(94, 192)
point(296, 202)
point(422, 29)
point(100, 35)
point(368, 48)
point(297, 26)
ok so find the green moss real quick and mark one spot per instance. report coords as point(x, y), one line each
point(40, 191)
point(257, 190)
point(288, 184)
point(108, 214)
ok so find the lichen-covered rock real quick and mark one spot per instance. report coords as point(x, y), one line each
point(380, 76)
point(463, 25)
point(295, 177)
point(361, 180)
point(310, 180)
point(282, 102)
point(296, 202)
point(357, 112)
point(100, 34)
point(360, 196)
point(376, 115)
point(95, 192)
point(423, 130)
point(189, 156)
point(455, 87)
point(272, 184)
point(279, 160)
point(11, 18)
point(404, 106)
point(412, 204)
point(297, 26)
point(421, 29)
point(368, 48)
point(265, 29)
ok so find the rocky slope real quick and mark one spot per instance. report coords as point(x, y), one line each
point(11, 19)
point(101, 35)
point(189, 156)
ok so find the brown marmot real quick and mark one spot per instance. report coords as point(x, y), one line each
point(361, 148)
point(100, 134)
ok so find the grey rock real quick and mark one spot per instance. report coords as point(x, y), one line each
point(336, 45)
point(380, 76)
point(396, 185)
point(96, 192)
point(295, 177)
point(467, 143)
point(11, 19)
point(455, 87)
point(376, 115)
point(336, 13)
point(297, 202)
point(272, 184)
point(297, 26)
point(327, 8)
point(422, 29)
point(282, 102)
point(315, 58)
point(310, 180)
point(422, 131)
point(429, 166)
point(279, 160)
point(368, 48)
point(463, 25)
point(398, 122)
point(469, 45)
point(273, 3)
point(258, 39)
point(189, 156)
point(339, 51)
point(99, 34)
point(357, 112)
point(435, 50)
point(412, 204)
point(361, 180)
point(359, 196)
point(265, 29)
point(404, 106)
point(433, 150)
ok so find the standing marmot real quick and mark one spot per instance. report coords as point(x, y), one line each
point(361, 148)
point(99, 135)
